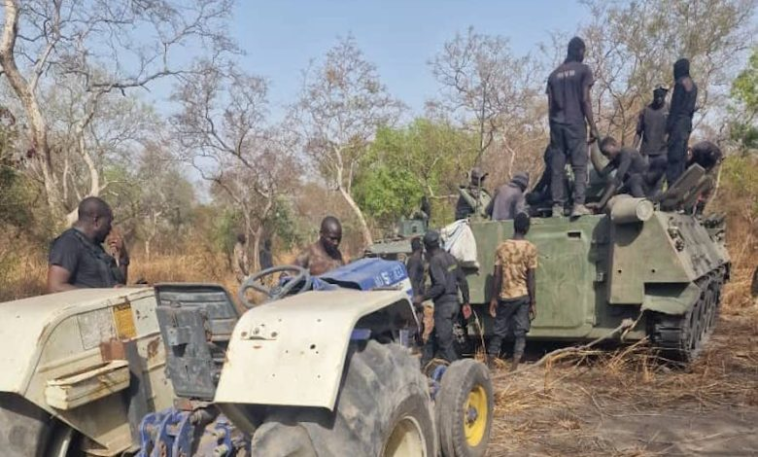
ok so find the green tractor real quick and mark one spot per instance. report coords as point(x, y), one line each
point(661, 269)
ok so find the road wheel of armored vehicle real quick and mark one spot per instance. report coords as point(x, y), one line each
point(681, 338)
point(464, 408)
point(383, 409)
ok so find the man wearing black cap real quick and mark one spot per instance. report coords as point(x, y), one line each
point(651, 135)
point(570, 111)
point(679, 124)
point(473, 197)
point(446, 278)
point(509, 199)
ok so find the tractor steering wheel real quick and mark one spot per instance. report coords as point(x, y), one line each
point(274, 293)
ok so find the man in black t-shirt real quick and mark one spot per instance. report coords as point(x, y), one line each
point(631, 171)
point(651, 135)
point(77, 258)
point(679, 123)
point(570, 110)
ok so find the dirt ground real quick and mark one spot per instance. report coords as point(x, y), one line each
point(625, 403)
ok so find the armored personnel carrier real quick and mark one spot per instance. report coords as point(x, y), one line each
point(661, 269)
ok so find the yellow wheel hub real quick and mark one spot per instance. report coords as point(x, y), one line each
point(475, 416)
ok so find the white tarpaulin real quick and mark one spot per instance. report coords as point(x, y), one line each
point(459, 241)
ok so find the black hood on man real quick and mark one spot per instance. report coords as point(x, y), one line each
point(681, 68)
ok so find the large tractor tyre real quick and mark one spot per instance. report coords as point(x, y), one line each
point(464, 406)
point(383, 409)
point(25, 429)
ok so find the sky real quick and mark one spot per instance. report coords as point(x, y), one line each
point(280, 37)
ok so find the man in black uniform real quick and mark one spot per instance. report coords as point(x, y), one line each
point(709, 156)
point(651, 135)
point(415, 266)
point(77, 258)
point(679, 124)
point(446, 279)
point(631, 170)
point(568, 94)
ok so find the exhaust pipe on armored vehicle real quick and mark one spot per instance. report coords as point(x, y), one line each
point(629, 210)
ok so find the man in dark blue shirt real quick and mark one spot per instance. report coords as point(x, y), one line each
point(679, 123)
point(77, 258)
point(570, 111)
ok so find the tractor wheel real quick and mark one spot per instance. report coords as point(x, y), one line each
point(383, 409)
point(464, 407)
point(24, 428)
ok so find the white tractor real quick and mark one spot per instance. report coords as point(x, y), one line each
point(322, 369)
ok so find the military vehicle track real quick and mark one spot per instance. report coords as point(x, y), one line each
point(681, 338)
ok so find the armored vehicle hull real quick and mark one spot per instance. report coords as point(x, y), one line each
point(665, 273)
point(662, 270)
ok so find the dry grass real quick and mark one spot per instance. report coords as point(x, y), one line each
point(627, 403)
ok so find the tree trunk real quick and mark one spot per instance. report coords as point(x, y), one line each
point(28, 99)
point(368, 240)
point(256, 263)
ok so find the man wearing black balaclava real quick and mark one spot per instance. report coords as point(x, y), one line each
point(570, 111)
point(651, 136)
point(679, 124)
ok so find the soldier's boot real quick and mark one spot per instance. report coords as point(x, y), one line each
point(516, 359)
point(557, 210)
point(580, 210)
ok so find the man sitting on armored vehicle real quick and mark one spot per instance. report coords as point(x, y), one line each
point(446, 278)
point(473, 197)
point(509, 199)
point(77, 258)
point(513, 290)
point(324, 255)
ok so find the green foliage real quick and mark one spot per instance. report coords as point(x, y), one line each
point(16, 197)
point(740, 180)
point(388, 193)
point(225, 229)
point(745, 92)
point(745, 86)
point(285, 227)
point(403, 164)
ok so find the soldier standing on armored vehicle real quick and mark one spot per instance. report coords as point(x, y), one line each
point(77, 258)
point(568, 95)
point(324, 255)
point(473, 197)
point(513, 290)
point(679, 124)
point(651, 135)
point(446, 278)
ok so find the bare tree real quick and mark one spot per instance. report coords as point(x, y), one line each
point(107, 46)
point(632, 46)
point(483, 81)
point(342, 104)
point(221, 130)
